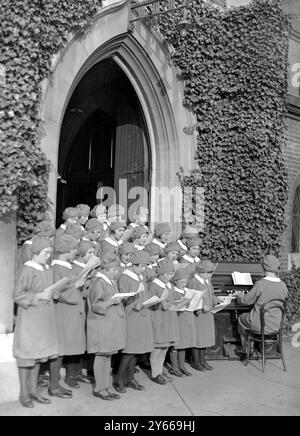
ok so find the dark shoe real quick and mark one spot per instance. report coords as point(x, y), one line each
point(43, 381)
point(136, 370)
point(72, 382)
point(135, 385)
point(107, 397)
point(145, 365)
point(176, 371)
point(81, 378)
point(198, 366)
point(60, 393)
point(26, 402)
point(39, 399)
point(159, 380)
point(113, 396)
point(207, 366)
point(186, 372)
point(119, 387)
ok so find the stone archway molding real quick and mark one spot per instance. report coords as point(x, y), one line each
point(145, 60)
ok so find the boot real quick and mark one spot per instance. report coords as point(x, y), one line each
point(203, 360)
point(196, 364)
point(174, 365)
point(181, 363)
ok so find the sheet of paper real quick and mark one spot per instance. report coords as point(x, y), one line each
point(221, 306)
point(196, 302)
point(152, 301)
point(179, 305)
point(94, 262)
point(123, 295)
point(242, 278)
point(58, 286)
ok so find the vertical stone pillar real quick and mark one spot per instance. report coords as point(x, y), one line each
point(8, 250)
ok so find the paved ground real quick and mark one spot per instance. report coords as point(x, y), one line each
point(231, 389)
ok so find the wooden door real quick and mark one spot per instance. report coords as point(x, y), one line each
point(132, 160)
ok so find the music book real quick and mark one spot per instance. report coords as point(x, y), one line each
point(226, 301)
point(242, 278)
point(152, 301)
point(196, 300)
point(94, 262)
point(123, 295)
point(179, 305)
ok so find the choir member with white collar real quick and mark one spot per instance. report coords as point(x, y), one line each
point(189, 232)
point(140, 219)
point(84, 213)
point(99, 212)
point(86, 250)
point(187, 326)
point(140, 236)
point(114, 239)
point(70, 216)
point(126, 250)
point(106, 328)
point(164, 321)
point(191, 257)
point(43, 229)
point(35, 337)
point(204, 319)
point(162, 233)
point(70, 315)
point(139, 338)
point(172, 251)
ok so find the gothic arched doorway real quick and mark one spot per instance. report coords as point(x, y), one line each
point(103, 138)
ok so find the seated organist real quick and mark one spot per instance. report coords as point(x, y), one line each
point(268, 288)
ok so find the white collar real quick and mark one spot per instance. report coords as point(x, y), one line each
point(159, 283)
point(168, 285)
point(272, 279)
point(134, 225)
point(188, 258)
point(63, 226)
point(103, 276)
point(34, 265)
point(191, 259)
point(79, 263)
point(184, 247)
point(139, 247)
point(112, 242)
point(200, 279)
point(28, 242)
point(175, 262)
point(126, 264)
point(131, 274)
point(62, 263)
point(157, 242)
point(180, 291)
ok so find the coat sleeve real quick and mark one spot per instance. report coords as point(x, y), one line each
point(69, 295)
point(98, 298)
point(125, 285)
point(24, 295)
point(250, 298)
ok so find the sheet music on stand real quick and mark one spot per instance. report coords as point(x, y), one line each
point(242, 278)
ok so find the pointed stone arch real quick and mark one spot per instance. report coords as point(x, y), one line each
point(145, 60)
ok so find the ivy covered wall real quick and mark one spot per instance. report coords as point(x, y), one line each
point(31, 32)
point(234, 67)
